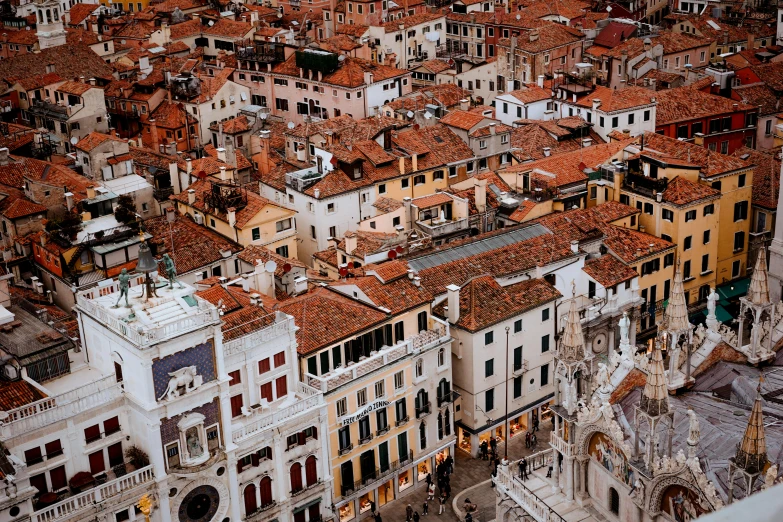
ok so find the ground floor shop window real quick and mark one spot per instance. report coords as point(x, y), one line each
point(423, 468)
point(404, 480)
point(364, 502)
point(346, 512)
point(386, 493)
point(464, 442)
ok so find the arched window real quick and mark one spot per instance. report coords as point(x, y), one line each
point(447, 422)
point(423, 435)
point(440, 425)
point(250, 499)
point(419, 368)
point(422, 403)
point(266, 492)
point(311, 471)
point(614, 501)
point(444, 391)
point(441, 357)
point(296, 477)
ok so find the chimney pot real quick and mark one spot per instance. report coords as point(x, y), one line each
point(453, 303)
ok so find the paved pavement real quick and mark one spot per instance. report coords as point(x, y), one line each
point(469, 480)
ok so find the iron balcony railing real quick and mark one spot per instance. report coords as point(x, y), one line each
point(374, 476)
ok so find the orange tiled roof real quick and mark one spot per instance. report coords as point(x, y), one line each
point(608, 271)
point(435, 66)
point(681, 191)
point(766, 175)
point(483, 302)
point(75, 88)
point(94, 139)
point(631, 245)
point(683, 104)
point(618, 99)
point(386, 205)
point(462, 119)
point(433, 200)
point(350, 74)
point(531, 93)
point(710, 162)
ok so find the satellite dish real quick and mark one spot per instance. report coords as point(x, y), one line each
point(287, 268)
point(392, 254)
point(291, 125)
point(74, 140)
point(270, 266)
point(519, 16)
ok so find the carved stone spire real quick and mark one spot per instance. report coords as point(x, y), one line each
point(572, 344)
point(758, 293)
point(676, 315)
point(655, 397)
point(752, 450)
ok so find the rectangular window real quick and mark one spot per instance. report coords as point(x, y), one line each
point(709, 209)
point(630, 119)
point(518, 326)
point(687, 243)
point(706, 237)
point(489, 337)
point(667, 215)
point(235, 378)
point(266, 392)
point(489, 368)
point(686, 270)
point(545, 314)
point(740, 210)
point(361, 397)
point(279, 359)
point(380, 389)
point(545, 343)
point(646, 115)
point(517, 387)
point(399, 380)
point(705, 262)
point(739, 240)
point(690, 215)
point(281, 386)
point(489, 400)
point(263, 366)
point(110, 427)
point(544, 375)
point(342, 407)
point(236, 405)
point(401, 411)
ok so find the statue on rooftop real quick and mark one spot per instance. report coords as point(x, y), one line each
point(124, 279)
point(625, 325)
point(171, 271)
point(694, 433)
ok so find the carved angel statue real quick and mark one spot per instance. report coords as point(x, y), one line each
point(712, 303)
point(694, 433)
point(602, 377)
point(637, 492)
point(183, 377)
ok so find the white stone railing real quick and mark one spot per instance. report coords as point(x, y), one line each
point(561, 445)
point(525, 498)
point(262, 421)
point(282, 325)
point(143, 336)
point(437, 334)
point(72, 506)
point(53, 409)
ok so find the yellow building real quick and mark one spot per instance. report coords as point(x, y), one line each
point(384, 365)
point(240, 215)
point(688, 195)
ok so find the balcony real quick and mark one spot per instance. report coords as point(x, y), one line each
point(441, 227)
point(425, 340)
point(520, 368)
point(345, 449)
point(402, 421)
point(423, 410)
point(447, 398)
point(162, 194)
point(47, 411)
point(375, 476)
point(48, 109)
point(280, 324)
point(77, 505)
point(517, 492)
point(311, 400)
point(644, 185)
point(365, 440)
point(561, 445)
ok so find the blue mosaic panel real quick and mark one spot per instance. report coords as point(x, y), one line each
point(201, 356)
point(168, 427)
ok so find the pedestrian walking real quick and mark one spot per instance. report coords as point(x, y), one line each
point(431, 491)
point(549, 471)
point(535, 424)
point(533, 440)
point(429, 478)
point(416, 516)
point(442, 501)
point(408, 513)
point(425, 508)
point(448, 490)
point(521, 471)
point(450, 464)
point(378, 517)
point(493, 442)
point(483, 449)
point(560, 462)
point(372, 507)
point(527, 439)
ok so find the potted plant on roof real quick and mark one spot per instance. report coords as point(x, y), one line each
point(137, 457)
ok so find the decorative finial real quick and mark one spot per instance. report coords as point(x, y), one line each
point(145, 506)
point(573, 288)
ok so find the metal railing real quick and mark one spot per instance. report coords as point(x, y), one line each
point(376, 475)
point(89, 499)
point(279, 324)
point(423, 410)
point(447, 398)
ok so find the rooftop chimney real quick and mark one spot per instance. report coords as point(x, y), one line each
point(415, 162)
point(232, 216)
point(481, 195)
point(547, 151)
point(492, 129)
point(453, 303)
point(464, 104)
point(541, 80)
point(90, 192)
point(221, 154)
point(350, 242)
point(574, 246)
point(188, 165)
point(191, 197)
point(4, 156)
point(154, 133)
point(69, 200)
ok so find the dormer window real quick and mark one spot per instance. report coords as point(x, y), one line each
point(357, 171)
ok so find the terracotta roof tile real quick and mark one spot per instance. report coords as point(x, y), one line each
point(531, 93)
point(94, 139)
point(618, 99)
point(195, 246)
point(252, 253)
point(766, 175)
point(681, 191)
point(434, 66)
point(386, 205)
point(447, 95)
point(350, 74)
point(711, 163)
point(16, 394)
point(631, 245)
point(608, 271)
point(22, 207)
point(683, 104)
point(462, 119)
point(432, 200)
point(483, 302)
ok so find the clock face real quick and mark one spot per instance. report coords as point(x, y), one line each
point(599, 343)
point(200, 505)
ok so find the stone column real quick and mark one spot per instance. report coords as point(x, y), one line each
point(569, 475)
point(556, 470)
point(233, 486)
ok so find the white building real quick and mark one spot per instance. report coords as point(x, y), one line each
point(629, 109)
point(530, 103)
point(412, 38)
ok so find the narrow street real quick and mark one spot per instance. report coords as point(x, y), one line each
point(469, 480)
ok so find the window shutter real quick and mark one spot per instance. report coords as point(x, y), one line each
point(302, 438)
point(269, 452)
point(315, 433)
point(239, 466)
point(255, 459)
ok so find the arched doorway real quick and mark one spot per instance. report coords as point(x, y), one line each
point(250, 499)
point(311, 471)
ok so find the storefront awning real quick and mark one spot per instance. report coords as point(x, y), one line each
point(721, 313)
point(734, 289)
